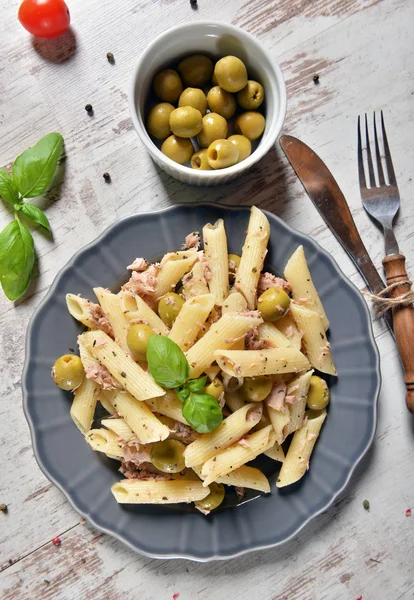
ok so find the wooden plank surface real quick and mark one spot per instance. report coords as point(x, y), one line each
point(362, 51)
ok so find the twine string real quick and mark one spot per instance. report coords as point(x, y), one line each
point(382, 302)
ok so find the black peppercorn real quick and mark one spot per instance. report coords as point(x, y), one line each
point(107, 177)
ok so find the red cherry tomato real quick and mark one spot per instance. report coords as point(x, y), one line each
point(44, 18)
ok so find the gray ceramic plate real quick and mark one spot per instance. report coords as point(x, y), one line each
point(86, 478)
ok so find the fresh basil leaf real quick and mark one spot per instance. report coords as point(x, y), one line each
point(183, 394)
point(35, 214)
point(16, 259)
point(202, 412)
point(8, 190)
point(33, 170)
point(196, 385)
point(166, 362)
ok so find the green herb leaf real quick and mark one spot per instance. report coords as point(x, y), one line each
point(166, 362)
point(203, 412)
point(33, 170)
point(8, 190)
point(35, 214)
point(183, 394)
point(196, 385)
point(16, 259)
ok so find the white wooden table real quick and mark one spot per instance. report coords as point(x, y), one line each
point(362, 51)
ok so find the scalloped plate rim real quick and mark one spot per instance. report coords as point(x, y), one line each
point(120, 537)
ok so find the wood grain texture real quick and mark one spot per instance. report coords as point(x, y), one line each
point(362, 51)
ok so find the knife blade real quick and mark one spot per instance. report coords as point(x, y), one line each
point(330, 202)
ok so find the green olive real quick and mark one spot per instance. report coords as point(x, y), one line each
point(215, 388)
point(256, 389)
point(234, 262)
point(243, 144)
point(273, 304)
point(194, 97)
point(214, 499)
point(168, 456)
point(178, 149)
point(158, 122)
point(251, 96)
point(231, 73)
point(251, 124)
point(221, 102)
point(68, 372)
point(214, 128)
point(318, 395)
point(196, 70)
point(221, 154)
point(167, 85)
point(137, 340)
point(199, 160)
point(186, 121)
point(169, 306)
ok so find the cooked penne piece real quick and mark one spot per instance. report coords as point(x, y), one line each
point(173, 267)
point(251, 363)
point(247, 477)
point(234, 400)
point(314, 338)
point(231, 429)
point(303, 289)
point(106, 441)
point(237, 455)
point(297, 458)
point(190, 320)
point(111, 305)
point(275, 453)
point(105, 397)
point(145, 425)
point(215, 251)
point(212, 372)
point(194, 284)
point(83, 405)
point(279, 420)
point(120, 428)
point(158, 491)
point(235, 302)
point(253, 255)
point(221, 334)
point(168, 405)
point(121, 366)
point(270, 333)
point(136, 309)
point(298, 388)
point(288, 327)
point(83, 311)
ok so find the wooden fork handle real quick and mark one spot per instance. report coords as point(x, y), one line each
point(403, 318)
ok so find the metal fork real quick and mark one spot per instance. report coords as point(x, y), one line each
point(382, 201)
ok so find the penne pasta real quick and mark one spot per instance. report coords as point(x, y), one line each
point(314, 338)
point(120, 428)
point(82, 310)
point(83, 405)
point(111, 305)
point(253, 255)
point(237, 455)
point(231, 429)
point(145, 425)
point(270, 333)
point(194, 284)
point(246, 477)
point(251, 363)
point(288, 327)
point(190, 320)
point(215, 251)
point(235, 302)
point(106, 441)
point(303, 289)
point(298, 389)
point(105, 397)
point(137, 310)
point(221, 334)
point(173, 267)
point(158, 491)
point(121, 366)
point(297, 458)
point(168, 405)
point(275, 453)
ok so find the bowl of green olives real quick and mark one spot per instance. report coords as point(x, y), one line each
point(208, 101)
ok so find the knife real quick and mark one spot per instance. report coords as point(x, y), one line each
point(330, 202)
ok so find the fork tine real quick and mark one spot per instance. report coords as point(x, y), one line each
point(361, 172)
point(381, 179)
point(370, 165)
point(388, 161)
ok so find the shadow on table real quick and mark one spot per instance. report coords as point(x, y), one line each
point(56, 50)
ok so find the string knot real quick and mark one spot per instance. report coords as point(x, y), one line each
point(382, 302)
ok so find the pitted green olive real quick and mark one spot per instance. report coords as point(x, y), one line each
point(251, 124)
point(137, 340)
point(68, 372)
point(199, 160)
point(169, 306)
point(251, 96)
point(221, 154)
point(194, 97)
point(158, 122)
point(214, 128)
point(273, 304)
point(221, 102)
point(167, 85)
point(318, 394)
point(180, 150)
point(256, 389)
point(231, 74)
point(214, 499)
point(215, 388)
point(243, 144)
point(168, 456)
point(186, 121)
point(196, 70)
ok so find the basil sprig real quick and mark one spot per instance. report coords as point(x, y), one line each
point(32, 174)
point(170, 369)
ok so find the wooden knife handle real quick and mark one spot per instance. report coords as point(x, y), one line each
point(403, 318)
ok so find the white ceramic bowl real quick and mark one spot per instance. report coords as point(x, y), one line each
point(216, 40)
